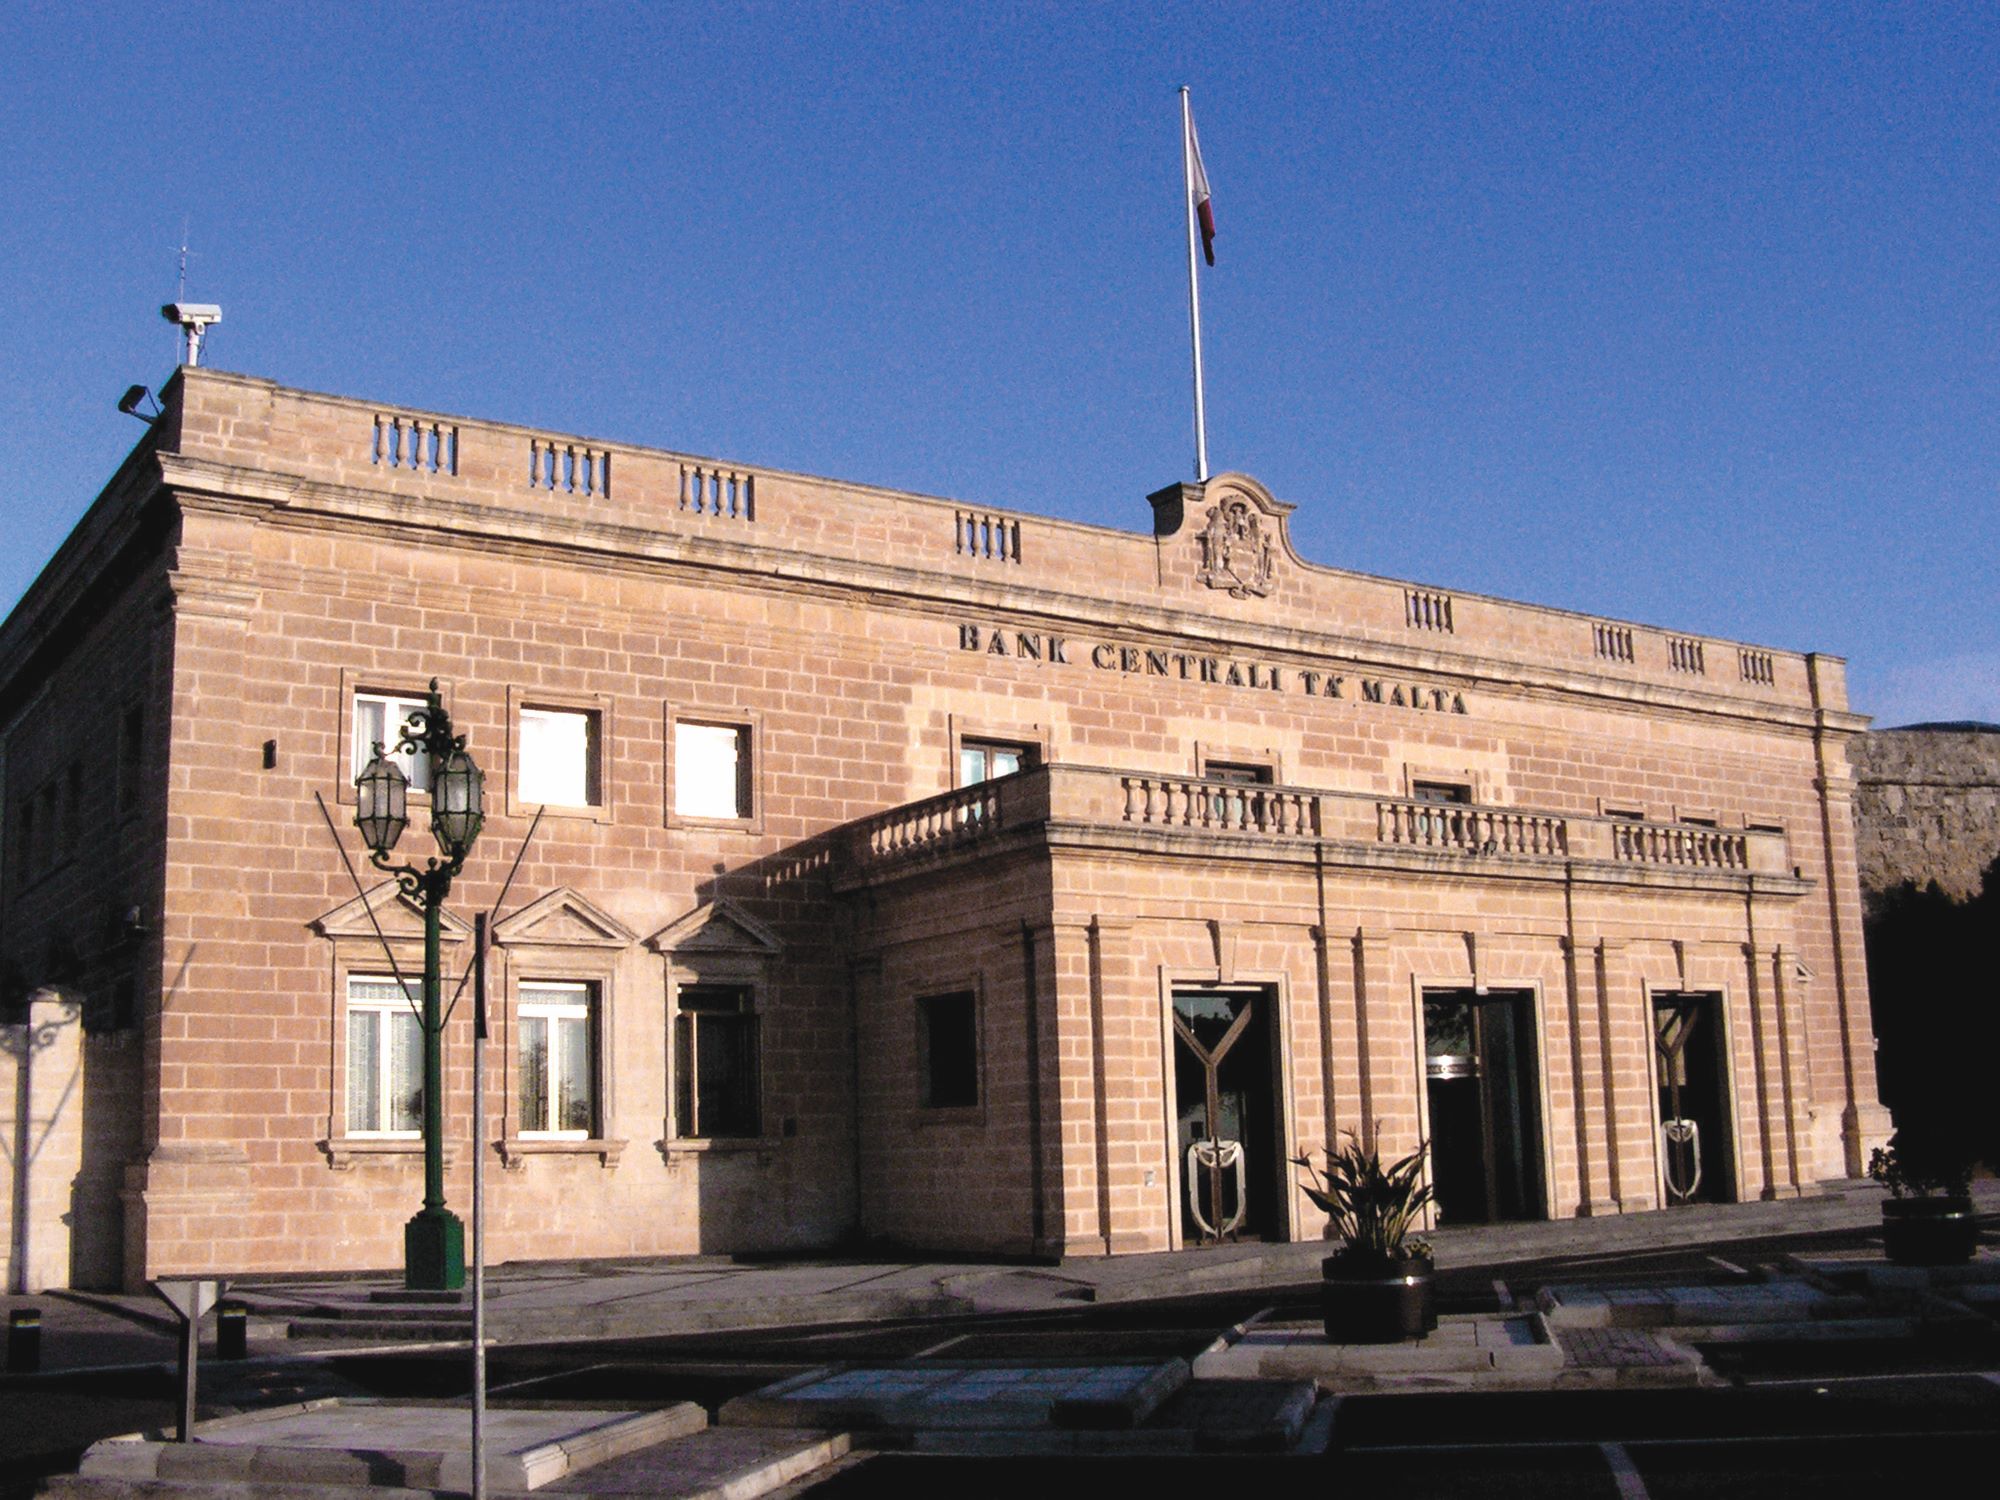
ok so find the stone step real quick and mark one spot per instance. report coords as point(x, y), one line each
point(713, 1464)
point(381, 1330)
point(370, 1310)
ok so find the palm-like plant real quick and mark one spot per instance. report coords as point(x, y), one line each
point(1372, 1207)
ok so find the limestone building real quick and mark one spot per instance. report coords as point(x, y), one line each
point(908, 869)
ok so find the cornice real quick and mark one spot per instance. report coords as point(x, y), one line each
point(204, 484)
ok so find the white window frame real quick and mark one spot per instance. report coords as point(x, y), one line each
point(550, 1001)
point(1026, 754)
point(592, 751)
point(396, 711)
point(744, 808)
point(394, 1008)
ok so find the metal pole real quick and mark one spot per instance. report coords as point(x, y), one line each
point(478, 1207)
point(433, 1051)
point(190, 1362)
point(1194, 288)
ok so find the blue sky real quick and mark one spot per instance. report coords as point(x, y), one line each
point(1678, 314)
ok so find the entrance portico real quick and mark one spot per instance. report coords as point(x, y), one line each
point(1184, 982)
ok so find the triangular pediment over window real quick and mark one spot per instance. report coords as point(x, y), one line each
point(722, 927)
point(562, 919)
point(395, 915)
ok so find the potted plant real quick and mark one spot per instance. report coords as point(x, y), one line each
point(1376, 1288)
point(1927, 1219)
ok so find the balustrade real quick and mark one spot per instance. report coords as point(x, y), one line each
point(1192, 805)
point(572, 468)
point(729, 494)
point(1673, 844)
point(400, 442)
point(956, 817)
point(1470, 830)
point(1226, 807)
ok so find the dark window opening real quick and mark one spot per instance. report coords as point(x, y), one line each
point(949, 1026)
point(715, 1062)
point(1455, 792)
point(1238, 773)
point(131, 744)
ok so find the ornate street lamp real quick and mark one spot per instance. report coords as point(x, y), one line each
point(434, 1240)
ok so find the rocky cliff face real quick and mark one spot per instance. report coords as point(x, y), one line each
point(1927, 807)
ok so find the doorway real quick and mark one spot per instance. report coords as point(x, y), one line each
point(1227, 1140)
point(1481, 1080)
point(1697, 1164)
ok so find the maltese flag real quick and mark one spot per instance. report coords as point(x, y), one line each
point(1198, 185)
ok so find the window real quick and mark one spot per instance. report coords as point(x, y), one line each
point(984, 760)
point(559, 757)
point(72, 805)
point(47, 852)
point(131, 749)
point(558, 1022)
point(1625, 814)
point(715, 1062)
point(1240, 774)
point(379, 719)
point(711, 770)
point(948, 1040)
point(1453, 792)
point(24, 841)
point(385, 1058)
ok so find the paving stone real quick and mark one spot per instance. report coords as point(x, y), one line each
point(361, 1442)
point(1611, 1348)
point(937, 1396)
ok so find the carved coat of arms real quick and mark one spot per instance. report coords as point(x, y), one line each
point(1236, 550)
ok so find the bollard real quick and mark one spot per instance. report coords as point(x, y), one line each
point(232, 1330)
point(24, 1340)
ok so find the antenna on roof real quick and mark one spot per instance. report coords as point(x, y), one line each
point(194, 318)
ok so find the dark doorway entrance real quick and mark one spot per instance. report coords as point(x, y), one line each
point(1227, 1132)
point(1485, 1106)
point(1696, 1162)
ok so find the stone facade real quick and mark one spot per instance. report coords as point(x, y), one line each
point(1927, 807)
point(925, 1008)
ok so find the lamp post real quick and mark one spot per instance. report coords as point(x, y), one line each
point(434, 1240)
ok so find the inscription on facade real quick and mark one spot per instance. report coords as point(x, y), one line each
point(1048, 649)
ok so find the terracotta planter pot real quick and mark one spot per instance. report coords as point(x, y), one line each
point(1929, 1231)
point(1375, 1301)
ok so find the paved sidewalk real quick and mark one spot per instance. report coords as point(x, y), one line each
point(555, 1301)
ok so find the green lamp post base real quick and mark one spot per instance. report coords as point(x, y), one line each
point(434, 1251)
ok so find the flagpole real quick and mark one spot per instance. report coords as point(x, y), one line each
point(1194, 288)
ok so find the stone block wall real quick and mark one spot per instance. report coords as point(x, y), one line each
point(1927, 807)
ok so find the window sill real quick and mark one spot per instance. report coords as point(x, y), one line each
point(957, 1114)
point(693, 822)
point(524, 807)
point(691, 1144)
point(516, 1149)
point(343, 1151)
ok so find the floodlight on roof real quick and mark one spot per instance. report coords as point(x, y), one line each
point(129, 404)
